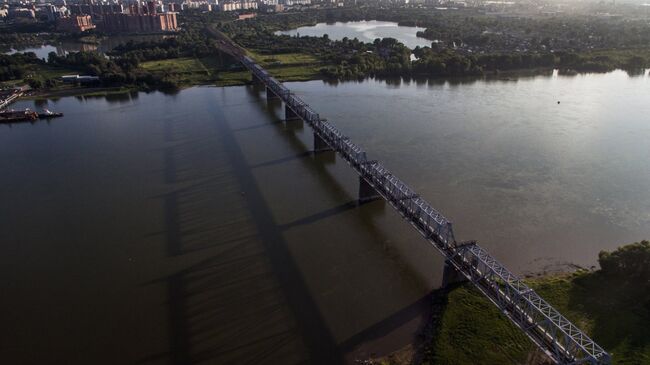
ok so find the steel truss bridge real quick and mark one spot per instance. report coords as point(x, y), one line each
point(555, 335)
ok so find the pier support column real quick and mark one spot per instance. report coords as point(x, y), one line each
point(366, 191)
point(289, 114)
point(255, 79)
point(270, 95)
point(320, 145)
point(451, 276)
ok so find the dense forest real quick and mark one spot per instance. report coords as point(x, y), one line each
point(474, 29)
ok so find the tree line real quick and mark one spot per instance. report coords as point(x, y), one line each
point(350, 58)
point(16, 66)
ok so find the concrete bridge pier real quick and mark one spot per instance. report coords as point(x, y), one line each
point(290, 115)
point(451, 276)
point(320, 145)
point(270, 95)
point(366, 191)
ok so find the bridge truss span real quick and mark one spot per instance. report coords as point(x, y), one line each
point(562, 341)
point(543, 324)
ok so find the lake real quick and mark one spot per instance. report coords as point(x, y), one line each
point(366, 31)
point(197, 227)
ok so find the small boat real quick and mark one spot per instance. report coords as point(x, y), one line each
point(46, 114)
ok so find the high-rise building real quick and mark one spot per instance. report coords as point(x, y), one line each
point(75, 23)
point(138, 22)
point(237, 5)
point(88, 9)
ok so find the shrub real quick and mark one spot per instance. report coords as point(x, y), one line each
point(630, 262)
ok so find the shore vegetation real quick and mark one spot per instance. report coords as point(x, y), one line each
point(611, 304)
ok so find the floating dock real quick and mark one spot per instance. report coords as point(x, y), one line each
point(26, 115)
point(14, 116)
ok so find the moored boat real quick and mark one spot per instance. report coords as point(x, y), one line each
point(11, 116)
point(46, 114)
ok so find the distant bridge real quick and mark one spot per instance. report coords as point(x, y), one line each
point(561, 340)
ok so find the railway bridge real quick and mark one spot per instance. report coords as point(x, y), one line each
point(554, 334)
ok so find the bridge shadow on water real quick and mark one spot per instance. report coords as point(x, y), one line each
point(322, 215)
point(283, 160)
point(397, 329)
point(235, 293)
point(318, 161)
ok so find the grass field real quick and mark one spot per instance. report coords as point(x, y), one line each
point(290, 66)
point(184, 71)
point(42, 72)
point(606, 310)
point(621, 55)
point(296, 73)
point(175, 65)
point(283, 59)
point(49, 72)
point(471, 320)
point(211, 70)
point(231, 78)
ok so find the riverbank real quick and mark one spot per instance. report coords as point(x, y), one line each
point(291, 64)
point(611, 310)
point(189, 72)
point(288, 67)
point(350, 57)
point(77, 91)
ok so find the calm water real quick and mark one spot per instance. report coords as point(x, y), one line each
point(196, 227)
point(365, 31)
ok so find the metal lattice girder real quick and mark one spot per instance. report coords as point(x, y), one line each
point(543, 324)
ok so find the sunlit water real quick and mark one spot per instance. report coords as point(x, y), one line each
point(153, 228)
point(365, 31)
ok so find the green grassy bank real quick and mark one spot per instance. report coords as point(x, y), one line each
point(611, 313)
point(194, 71)
point(612, 305)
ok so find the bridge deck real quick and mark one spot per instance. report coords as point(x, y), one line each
point(545, 326)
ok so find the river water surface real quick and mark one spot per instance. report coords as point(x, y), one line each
point(197, 227)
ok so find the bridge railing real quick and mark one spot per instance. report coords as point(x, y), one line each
point(552, 332)
point(413, 208)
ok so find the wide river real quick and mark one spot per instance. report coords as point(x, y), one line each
point(197, 227)
point(365, 31)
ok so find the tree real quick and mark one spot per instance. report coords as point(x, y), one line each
point(635, 62)
point(630, 262)
point(35, 83)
